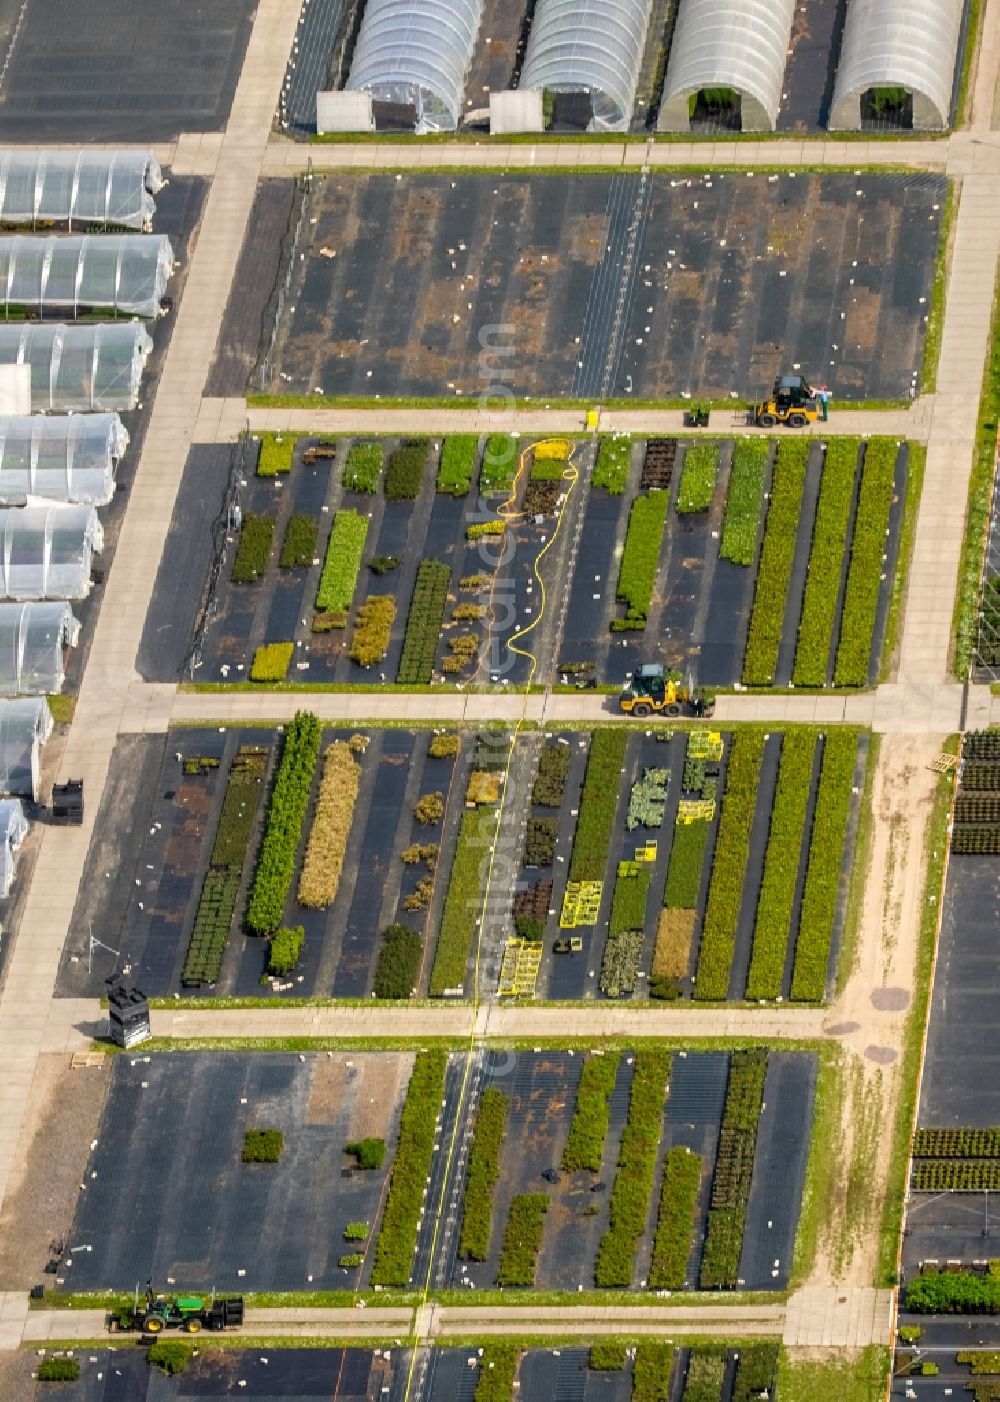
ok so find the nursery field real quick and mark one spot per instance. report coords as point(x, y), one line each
point(391, 561)
point(832, 272)
point(353, 864)
point(649, 1170)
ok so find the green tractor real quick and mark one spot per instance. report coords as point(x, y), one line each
point(189, 1313)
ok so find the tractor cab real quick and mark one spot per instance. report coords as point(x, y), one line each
point(648, 689)
point(793, 402)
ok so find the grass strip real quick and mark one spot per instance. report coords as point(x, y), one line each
point(633, 1185)
point(589, 1126)
point(331, 827)
point(344, 552)
point(826, 561)
point(640, 557)
point(423, 623)
point(781, 864)
point(720, 1262)
point(598, 802)
point(483, 1172)
point(285, 816)
point(744, 500)
point(698, 473)
point(864, 575)
point(397, 1238)
point(675, 1223)
point(463, 903)
point(777, 555)
point(826, 849)
point(725, 891)
point(522, 1239)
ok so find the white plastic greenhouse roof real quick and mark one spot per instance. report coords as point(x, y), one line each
point(83, 367)
point(417, 52)
point(33, 638)
point(13, 830)
point(47, 551)
point(70, 458)
point(25, 725)
point(114, 188)
point(108, 272)
point(739, 44)
point(590, 46)
point(911, 44)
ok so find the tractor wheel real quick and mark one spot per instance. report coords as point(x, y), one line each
point(767, 420)
point(672, 710)
point(152, 1325)
point(641, 709)
point(192, 1326)
point(797, 420)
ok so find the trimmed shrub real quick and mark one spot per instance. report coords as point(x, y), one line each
point(298, 546)
point(611, 469)
point(676, 1220)
point(58, 1370)
point(698, 473)
point(588, 1128)
point(458, 462)
point(499, 465)
point(777, 555)
point(275, 455)
point(356, 1231)
point(463, 902)
point(285, 815)
point(744, 501)
point(331, 827)
point(598, 802)
point(368, 1154)
point(397, 1239)
point(826, 853)
point(640, 556)
point(351, 1260)
point(262, 1145)
point(864, 574)
point(383, 564)
point(429, 808)
point(254, 549)
point(344, 551)
point(482, 1175)
point(522, 1239)
point(169, 1355)
point(363, 467)
point(482, 530)
point(443, 746)
point(423, 624)
point(405, 472)
point(826, 560)
point(633, 1184)
point(398, 970)
point(270, 662)
point(373, 630)
point(285, 948)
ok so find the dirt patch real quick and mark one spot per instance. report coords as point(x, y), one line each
point(378, 1089)
point(64, 1111)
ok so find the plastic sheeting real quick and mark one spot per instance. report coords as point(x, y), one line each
point(112, 188)
point(739, 44)
point(33, 639)
point(62, 459)
point(911, 44)
point(47, 551)
point(25, 725)
point(13, 830)
point(417, 52)
point(85, 367)
point(125, 273)
point(590, 46)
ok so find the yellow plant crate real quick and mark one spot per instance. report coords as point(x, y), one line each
point(581, 904)
point(647, 853)
point(704, 743)
point(519, 968)
point(552, 450)
point(694, 810)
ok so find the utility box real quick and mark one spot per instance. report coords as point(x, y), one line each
point(67, 802)
point(128, 1012)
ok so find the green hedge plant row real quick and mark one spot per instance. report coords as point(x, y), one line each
point(464, 901)
point(637, 572)
point(298, 545)
point(522, 1239)
point(285, 816)
point(275, 455)
point(500, 463)
point(363, 468)
point(262, 1145)
point(405, 473)
point(675, 1223)
point(826, 563)
point(776, 558)
point(284, 950)
point(652, 1372)
point(628, 903)
point(725, 891)
point(254, 549)
point(398, 968)
point(611, 469)
point(423, 623)
point(781, 864)
point(344, 552)
point(705, 1378)
point(607, 1356)
point(957, 1143)
point(633, 1185)
point(550, 778)
point(826, 850)
point(270, 662)
point(864, 574)
point(458, 462)
point(497, 1368)
point(756, 1366)
point(397, 1238)
point(598, 802)
point(959, 1292)
point(589, 1126)
point(687, 861)
point(373, 630)
point(698, 473)
point(731, 1180)
point(744, 501)
point(482, 1175)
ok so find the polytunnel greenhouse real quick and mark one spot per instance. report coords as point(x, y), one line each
point(25, 725)
point(727, 64)
point(70, 458)
point(33, 641)
point(111, 189)
point(414, 55)
point(897, 64)
point(126, 273)
point(13, 830)
point(592, 47)
point(85, 367)
point(47, 551)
